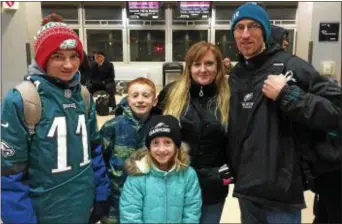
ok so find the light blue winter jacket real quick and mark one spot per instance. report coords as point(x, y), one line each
point(151, 195)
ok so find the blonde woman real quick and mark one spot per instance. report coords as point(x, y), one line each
point(200, 101)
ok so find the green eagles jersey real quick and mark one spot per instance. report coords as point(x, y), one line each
point(57, 157)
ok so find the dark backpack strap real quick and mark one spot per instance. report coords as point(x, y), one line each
point(280, 66)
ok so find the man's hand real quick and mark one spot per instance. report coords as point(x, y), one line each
point(273, 85)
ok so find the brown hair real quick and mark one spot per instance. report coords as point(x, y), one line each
point(178, 96)
point(142, 80)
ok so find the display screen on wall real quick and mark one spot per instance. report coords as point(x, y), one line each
point(143, 10)
point(193, 10)
point(328, 31)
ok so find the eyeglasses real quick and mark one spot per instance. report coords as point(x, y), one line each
point(207, 65)
point(251, 27)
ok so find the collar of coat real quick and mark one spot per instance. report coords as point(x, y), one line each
point(208, 90)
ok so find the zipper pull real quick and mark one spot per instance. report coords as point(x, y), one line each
point(201, 92)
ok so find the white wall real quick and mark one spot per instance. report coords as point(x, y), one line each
point(34, 18)
point(154, 69)
point(304, 17)
point(309, 15)
point(13, 49)
point(326, 51)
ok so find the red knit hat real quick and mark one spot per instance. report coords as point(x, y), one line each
point(52, 37)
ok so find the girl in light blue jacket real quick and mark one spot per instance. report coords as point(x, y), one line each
point(161, 186)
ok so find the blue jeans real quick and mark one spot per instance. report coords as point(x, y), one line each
point(252, 212)
point(212, 213)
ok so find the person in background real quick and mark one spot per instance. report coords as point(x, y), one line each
point(161, 186)
point(279, 35)
point(124, 134)
point(85, 69)
point(327, 182)
point(200, 100)
point(54, 172)
point(277, 102)
point(227, 66)
point(103, 77)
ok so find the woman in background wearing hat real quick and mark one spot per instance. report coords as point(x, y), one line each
point(56, 174)
point(200, 100)
point(161, 186)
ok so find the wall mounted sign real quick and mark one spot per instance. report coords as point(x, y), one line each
point(10, 5)
point(143, 10)
point(328, 31)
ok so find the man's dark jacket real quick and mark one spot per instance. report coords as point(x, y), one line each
point(266, 137)
point(103, 74)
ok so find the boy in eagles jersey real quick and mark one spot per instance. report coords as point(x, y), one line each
point(124, 134)
point(56, 174)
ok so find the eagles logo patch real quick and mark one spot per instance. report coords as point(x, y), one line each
point(68, 44)
point(6, 150)
point(248, 97)
point(67, 93)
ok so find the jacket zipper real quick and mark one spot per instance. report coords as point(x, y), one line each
point(201, 92)
point(165, 178)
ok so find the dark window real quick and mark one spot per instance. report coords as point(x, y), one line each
point(68, 12)
point(224, 12)
point(225, 41)
point(108, 41)
point(77, 31)
point(183, 39)
point(283, 13)
point(93, 14)
point(147, 45)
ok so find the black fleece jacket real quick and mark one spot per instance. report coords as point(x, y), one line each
point(265, 136)
point(202, 130)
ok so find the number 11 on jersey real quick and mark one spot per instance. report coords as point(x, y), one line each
point(59, 125)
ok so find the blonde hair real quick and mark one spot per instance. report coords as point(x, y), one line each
point(178, 96)
point(180, 160)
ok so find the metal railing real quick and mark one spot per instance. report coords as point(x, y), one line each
point(274, 22)
point(103, 22)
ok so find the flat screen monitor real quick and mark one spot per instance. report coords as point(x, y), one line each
point(194, 10)
point(143, 10)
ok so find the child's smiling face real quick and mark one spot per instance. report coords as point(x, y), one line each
point(162, 150)
point(141, 99)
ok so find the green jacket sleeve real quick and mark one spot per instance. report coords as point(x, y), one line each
point(14, 135)
point(94, 134)
point(107, 135)
point(313, 100)
point(15, 195)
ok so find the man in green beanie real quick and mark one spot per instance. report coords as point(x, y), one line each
point(278, 104)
